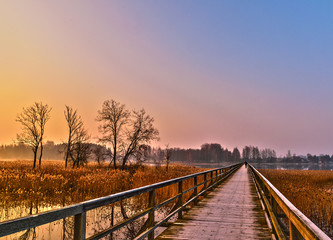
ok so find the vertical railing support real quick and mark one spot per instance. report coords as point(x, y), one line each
point(262, 186)
point(80, 226)
point(205, 184)
point(211, 178)
point(180, 199)
point(274, 206)
point(195, 189)
point(205, 180)
point(151, 215)
point(293, 232)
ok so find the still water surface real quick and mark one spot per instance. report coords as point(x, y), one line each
point(99, 219)
point(273, 165)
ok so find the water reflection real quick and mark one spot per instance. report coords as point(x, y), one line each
point(275, 165)
point(104, 217)
point(296, 166)
point(98, 220)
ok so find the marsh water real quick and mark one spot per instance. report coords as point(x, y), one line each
point(275, 165)
point(101, 218)
point(97, 220)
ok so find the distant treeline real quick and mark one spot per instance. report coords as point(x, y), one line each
point(51, 151)
point(208, 153)
point(215, 153)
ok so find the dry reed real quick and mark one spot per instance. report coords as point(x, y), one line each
point(55, 185)
point(311, 191)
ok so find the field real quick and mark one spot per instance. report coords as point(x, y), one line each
point(24, 191)
point(54, 185)
point(311, 191)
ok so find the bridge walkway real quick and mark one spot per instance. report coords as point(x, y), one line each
point(231, 211)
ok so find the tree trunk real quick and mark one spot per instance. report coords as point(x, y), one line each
point(68, 147)
point(77, 157)
point(125, 158)
point(67, 154)
point(35, 157)
point(124, 163)
point(41, 153)
point(115, 157)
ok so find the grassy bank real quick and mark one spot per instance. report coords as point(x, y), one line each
point(55, 185)
point(311, 191)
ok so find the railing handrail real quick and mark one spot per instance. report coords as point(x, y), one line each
point(304, 225)
point(20, 224)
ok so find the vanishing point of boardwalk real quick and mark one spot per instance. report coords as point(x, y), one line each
point(232, 211)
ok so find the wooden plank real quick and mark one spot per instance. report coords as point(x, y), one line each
point(232, 211)
point(273, 219)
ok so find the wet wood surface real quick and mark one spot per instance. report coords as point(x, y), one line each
point(231, 211)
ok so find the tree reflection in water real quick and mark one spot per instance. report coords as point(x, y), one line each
point(97, 219)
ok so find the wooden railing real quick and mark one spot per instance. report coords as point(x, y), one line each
point(211, 179)
point(287, 221)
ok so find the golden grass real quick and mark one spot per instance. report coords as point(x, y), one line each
point(55, 185)
point(311, 191)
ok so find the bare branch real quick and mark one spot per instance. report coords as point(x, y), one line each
point(33, 120)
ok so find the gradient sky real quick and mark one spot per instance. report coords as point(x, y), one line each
point(234, 72)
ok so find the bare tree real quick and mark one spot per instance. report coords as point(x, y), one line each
point(112, 117)
point(100, 153)
point(126, 132)
point(33, 120)
point(140, 132)
point(142, 154)
point(168, 154)
point(43, 116)
point(80, 150)
point(77, 148)
point(75, 124)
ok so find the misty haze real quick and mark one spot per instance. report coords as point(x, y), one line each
point(166, 120)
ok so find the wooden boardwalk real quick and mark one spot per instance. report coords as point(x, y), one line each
point(232, 211)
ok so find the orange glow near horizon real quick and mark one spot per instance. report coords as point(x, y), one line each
point(204, 74)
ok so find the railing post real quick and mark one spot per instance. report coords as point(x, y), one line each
point(274, 205)
point(293, 232)
point(266, 191)
point(195, 189)
point(180, 198)
point(80, 226)
point(151, 215)
point(205, 180)
point(211, 178)
point(263, 187)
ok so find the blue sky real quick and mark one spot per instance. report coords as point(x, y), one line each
point(232, 72)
